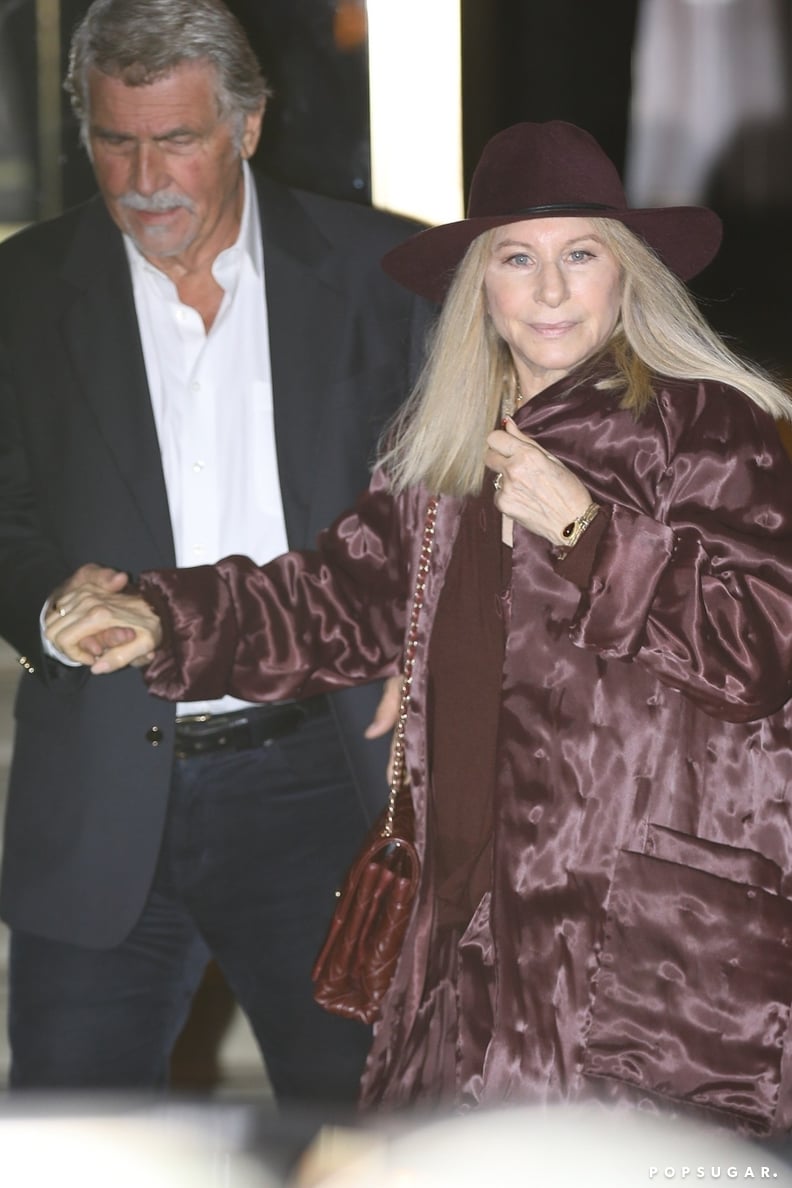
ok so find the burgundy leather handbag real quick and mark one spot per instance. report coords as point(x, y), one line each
point(356, 964)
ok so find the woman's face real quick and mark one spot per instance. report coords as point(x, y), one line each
point(554, 292)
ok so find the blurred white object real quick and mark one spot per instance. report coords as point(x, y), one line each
point(707, 74)
point(121, 1152)
point(560, 1147)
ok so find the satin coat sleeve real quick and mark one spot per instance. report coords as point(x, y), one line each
point(307, 622)
point(697, 588)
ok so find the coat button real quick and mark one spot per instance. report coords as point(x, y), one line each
point(154, 736)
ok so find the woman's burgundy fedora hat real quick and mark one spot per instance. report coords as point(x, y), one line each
point(535, 171)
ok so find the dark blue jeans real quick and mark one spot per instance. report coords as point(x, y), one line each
point(255, 845)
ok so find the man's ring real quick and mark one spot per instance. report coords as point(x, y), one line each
point(497, 482)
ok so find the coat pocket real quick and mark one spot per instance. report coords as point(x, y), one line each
point(693, 993)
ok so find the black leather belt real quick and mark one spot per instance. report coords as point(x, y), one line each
point(239, 731)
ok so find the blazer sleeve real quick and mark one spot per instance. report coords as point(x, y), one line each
point(700, 592)
point(30, 563)
point(305, 623)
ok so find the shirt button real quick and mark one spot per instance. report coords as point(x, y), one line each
point(195, 386)
point(154, 736)
point(198, 466)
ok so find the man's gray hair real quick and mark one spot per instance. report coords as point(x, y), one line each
point(140, 41)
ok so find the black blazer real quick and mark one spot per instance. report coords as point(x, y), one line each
point(81, 480)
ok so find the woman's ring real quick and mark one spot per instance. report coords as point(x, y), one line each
point(497, 482)
point(61, 611)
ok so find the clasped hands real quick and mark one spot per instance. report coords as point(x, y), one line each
point(94, 621)
point(536, 491)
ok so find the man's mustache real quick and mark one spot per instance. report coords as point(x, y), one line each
point(156, 203)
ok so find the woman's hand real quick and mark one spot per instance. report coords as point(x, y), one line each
point(536, 490)
point(103, 630)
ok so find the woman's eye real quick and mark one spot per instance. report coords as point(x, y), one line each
point(518, 258)
point(580, 254)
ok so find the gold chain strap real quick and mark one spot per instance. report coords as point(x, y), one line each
point(410, 649)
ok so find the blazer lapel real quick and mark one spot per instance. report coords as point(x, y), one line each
point(307, 316)
point(100, 329)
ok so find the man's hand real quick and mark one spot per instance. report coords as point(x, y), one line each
point(387, 711)
point(93, 622)
point(97, 576)
point(386, 714)
point(90, 574)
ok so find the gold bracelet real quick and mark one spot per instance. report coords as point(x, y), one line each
point(573, 532)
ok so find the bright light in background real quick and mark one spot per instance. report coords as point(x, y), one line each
point(48, 47)
point(416, 107)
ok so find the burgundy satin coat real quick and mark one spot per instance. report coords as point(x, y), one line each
point(637, 939)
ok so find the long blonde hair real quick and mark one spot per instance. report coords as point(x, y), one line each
point(438, 437)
